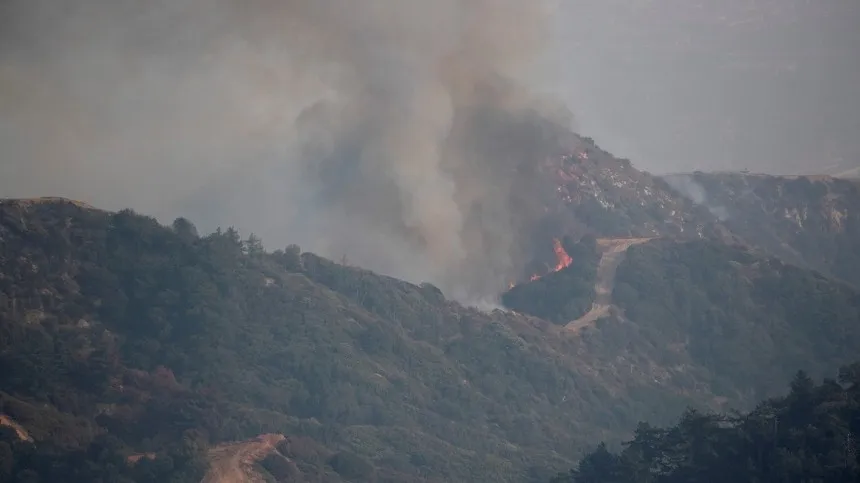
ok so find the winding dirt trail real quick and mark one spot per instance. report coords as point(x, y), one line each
point(613, 251)
point(22, 433)
point(234, 462)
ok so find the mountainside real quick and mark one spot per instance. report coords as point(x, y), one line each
point(809, 221)
point(599, 194)
point(129, 349)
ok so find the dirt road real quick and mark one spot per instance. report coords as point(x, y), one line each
point(234, 462)
point(613, 251)
point(22, 433)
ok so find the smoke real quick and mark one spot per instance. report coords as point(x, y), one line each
point(391, 132)
point(687, 187)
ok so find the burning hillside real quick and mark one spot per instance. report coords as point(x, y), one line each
point(562, 261)
point(593, 193)
point(392, 133)
point(565, 290)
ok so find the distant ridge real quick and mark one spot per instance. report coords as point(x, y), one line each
point(47, 200)
point(751, 174)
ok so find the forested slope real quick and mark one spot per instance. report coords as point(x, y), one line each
point(808, 435)
point(749, 322)
point(120, 337)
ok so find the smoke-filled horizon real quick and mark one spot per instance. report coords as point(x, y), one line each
point(386, 131)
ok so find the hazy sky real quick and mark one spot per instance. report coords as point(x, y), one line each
point(770, 85)
point(397, 132)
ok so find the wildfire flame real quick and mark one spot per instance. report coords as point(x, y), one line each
point(563, 260)
point(561, 256)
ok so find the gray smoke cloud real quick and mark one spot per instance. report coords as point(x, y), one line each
point(388, 131)
point(687, 187)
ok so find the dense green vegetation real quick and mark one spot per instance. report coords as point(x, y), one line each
point(122, 337)
point(810, 435)
point(145, 331)
point(748, 322)
point(104, 459)
point(564, 295)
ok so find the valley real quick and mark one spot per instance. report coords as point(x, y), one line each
point(123, 337)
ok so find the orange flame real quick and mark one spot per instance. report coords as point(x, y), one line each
point(561, 255)
point(563, 260)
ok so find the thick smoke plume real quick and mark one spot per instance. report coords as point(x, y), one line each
point(387, 131)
